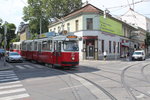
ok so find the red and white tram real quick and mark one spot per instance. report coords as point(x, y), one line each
point(15, 47)
point(55, 50)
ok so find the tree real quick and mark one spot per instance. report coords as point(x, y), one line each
point(44, 10)
point(10, 33)
point(1, 32)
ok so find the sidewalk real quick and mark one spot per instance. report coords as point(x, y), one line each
point(7, 67)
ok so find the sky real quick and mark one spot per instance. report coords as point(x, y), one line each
point(12, 10)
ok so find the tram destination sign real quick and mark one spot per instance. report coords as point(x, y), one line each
point(71, 36)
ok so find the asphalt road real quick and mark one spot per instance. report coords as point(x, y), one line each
point(92, 80)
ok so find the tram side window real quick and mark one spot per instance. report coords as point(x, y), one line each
point(44, 45)
point(30, 46)
point(59, 47)
point(23, 46)
point(49, 45)
point(35, 46)
point(17, 47)
point(14, 46)
point(39, 47)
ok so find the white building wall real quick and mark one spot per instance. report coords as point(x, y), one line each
point(135, 19)
point(148, 24)
point(80, 35)
point(101, 37)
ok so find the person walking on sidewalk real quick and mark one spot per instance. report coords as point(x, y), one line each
point(105, 55)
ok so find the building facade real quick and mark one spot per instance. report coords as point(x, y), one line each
point(24, 32)
point(143, 24)
point(96, 33)
point(136, 19)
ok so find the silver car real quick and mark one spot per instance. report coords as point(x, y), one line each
point(13, 57)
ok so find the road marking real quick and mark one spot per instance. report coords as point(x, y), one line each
point(13, 79)
point(12, 91)
point(7, 77)
point(38, 66)
point(7, 74)
point(20, 67)
point(15, 97)
point(11, 86)
point(28, 66)
point(15, 82)
point(140, 96)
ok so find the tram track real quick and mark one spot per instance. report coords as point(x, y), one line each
point(129, 88)
point(74, 91)
point(142, 72)
point(78, 77)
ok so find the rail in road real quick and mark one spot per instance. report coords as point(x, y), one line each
point(99, 91)
point(130, 89)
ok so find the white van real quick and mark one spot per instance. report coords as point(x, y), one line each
point(138, 55)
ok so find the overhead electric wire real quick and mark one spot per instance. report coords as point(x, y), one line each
point(127, 5)
point(24, 2)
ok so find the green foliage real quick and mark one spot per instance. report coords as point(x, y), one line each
point(16, 39)
point(34, 36)
point(45, 10)
point(10, 33)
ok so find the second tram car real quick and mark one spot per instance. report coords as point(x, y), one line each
point(15, 47)
point(59, 50)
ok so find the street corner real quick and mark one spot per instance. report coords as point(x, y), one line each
point(7, 66)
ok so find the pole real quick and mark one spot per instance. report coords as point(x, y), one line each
point(5, 42)
point(40, 27)
point(130, 49)
point(116, 52)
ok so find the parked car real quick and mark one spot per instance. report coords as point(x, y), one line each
point(138, 55)
point(13, 57)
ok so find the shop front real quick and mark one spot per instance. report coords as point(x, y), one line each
point(90, 47)
point(124, 50)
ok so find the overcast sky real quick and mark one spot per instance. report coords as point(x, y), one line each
point(12, 10)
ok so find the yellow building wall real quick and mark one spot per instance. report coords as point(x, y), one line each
point(23, 36)
point(72, 24)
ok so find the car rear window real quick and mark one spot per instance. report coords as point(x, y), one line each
point(13, 53)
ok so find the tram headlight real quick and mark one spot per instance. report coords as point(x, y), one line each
point(73, 58)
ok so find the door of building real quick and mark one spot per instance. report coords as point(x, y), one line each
point(90, 52)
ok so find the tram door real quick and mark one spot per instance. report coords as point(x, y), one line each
point(57, 52)
point(90, 51)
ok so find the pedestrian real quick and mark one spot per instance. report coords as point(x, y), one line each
point(105, 55)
